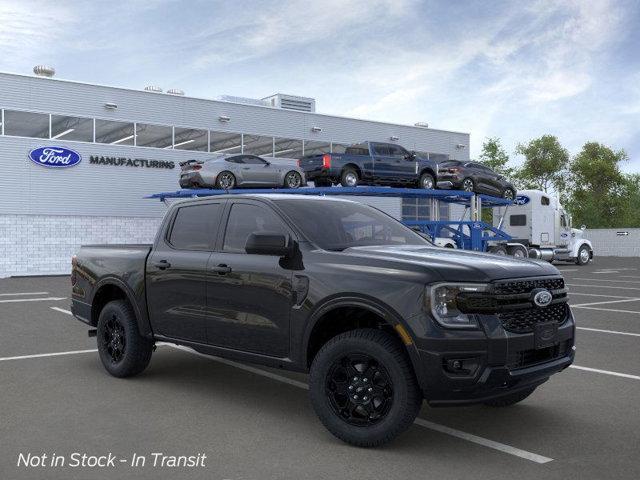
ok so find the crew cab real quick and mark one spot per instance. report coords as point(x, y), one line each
point(381, 318)
point(371, 163)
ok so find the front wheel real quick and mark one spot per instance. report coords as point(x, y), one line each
point(510, 399)
point(584, 255)
point(123, 351)
point(363, 387)
point(292, 180)
point(427, 181)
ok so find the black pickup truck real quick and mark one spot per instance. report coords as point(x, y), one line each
point(380, 317)
point(371, 163)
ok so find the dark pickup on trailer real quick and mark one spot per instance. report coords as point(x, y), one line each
point(380, 317)
point(371, 163)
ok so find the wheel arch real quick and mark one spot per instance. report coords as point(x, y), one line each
point(110, 289)
point(328, 320)
point(579, 244)
point(354, 167)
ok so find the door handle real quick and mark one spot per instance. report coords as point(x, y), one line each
point(162, 264)
point(246, 168)
point(221, 269)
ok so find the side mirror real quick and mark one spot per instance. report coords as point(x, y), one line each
point(583, 227)
point(274, 244)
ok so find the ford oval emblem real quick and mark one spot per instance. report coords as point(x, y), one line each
point(55, 157)
point(521, 200)
point(542, 298)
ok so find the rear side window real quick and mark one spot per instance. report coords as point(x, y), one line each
point(381, 149)
point(195, 227)
point(517, 220)
point(359, 150)
point(544, 200)
point(245, 219)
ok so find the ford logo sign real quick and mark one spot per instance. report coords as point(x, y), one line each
point(55, 157)
point(542, 298)
point(521, 200)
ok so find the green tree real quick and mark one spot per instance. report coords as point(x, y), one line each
point(545, 164)
point(599, 192)
point(495, 157)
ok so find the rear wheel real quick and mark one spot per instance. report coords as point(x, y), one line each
point(508, 194)
point(511, 399)
point(123, 351)
point(292, 180)
point(363, 388)
point(427, 181)
point(349, 178)
point(518, 251)
point(226, 180)
point(498, 250)
point(468, 185)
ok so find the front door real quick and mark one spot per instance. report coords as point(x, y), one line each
point(258, 171)
point(249, 297)
point(177, 271)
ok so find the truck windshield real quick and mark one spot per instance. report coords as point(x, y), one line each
point(336, 225)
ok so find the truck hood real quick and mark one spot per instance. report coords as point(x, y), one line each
point(458, 265)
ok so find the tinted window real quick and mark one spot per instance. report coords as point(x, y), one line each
point(246, 219)
point(517, 220)
point(397, 151)
point(26, 124)
point(252, 160)
point(381, 149)
point(235, 159)
point(346, 224)
point(195, 227)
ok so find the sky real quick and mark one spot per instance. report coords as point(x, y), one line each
point(514, 70)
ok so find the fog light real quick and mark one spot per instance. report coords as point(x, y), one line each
point(461, 366)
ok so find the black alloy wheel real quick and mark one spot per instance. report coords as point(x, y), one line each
point(359, 389)
point(508, 194)
point(468, 185)
point(114, 339)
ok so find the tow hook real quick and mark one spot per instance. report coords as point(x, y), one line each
point(92, 333)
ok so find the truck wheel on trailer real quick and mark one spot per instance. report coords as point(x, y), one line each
point(349, 178)
point(498, 250)
point(518, 251)
point(584, 255)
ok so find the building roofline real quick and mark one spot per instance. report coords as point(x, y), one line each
point(233, 103)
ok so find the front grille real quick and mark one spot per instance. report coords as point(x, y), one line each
point(515, 287)
point(523, 320)
point(528, 358)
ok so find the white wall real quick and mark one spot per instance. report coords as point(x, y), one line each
point(608, 243)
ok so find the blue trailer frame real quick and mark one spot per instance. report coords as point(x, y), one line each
point(471, 234)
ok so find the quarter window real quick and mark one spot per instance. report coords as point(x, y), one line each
point(195, 227)
point(245, 219)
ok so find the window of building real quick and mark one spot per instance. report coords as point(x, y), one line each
point(114, 133)
point(195, 227)
point(245, 219)
point(517, 220)
point(287, 148)
point(312, 147)
point(158, 136)
point(258, 145)
point(191, 139)
point(72, 128)
point(225, 142)
point(26, 124)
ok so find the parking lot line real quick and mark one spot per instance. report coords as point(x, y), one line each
point(607, 280)
point(606, 309)
point(606, 372)
point(61, 310)
point(608, 331)
point(41, 355)
point(606, 302)
point(16, 300)
point(596, 295)
point(601, 286)
point(22, 293)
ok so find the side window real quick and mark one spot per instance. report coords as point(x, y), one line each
point(517, 220)
point(253, 160)
point(195, 227)
point(396, 151)
point(245, 219)
point(381, 149)
point(238, 159)
point(563, 221)
point(544, 200)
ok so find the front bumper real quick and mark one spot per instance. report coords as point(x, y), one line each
point(495, 362)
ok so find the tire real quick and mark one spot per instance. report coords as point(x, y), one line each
point(225, 180)
point(518, 251)
point(498, 250)
point(584, 255)
point(468, 185)
point(508, 194)
point(123, 351)
point(292, 180)
point(322, 182)
point(511, 399)
point(352, 355)
point(427, 181)
point(349, 178)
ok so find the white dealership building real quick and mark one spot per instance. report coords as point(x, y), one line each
point(127, 144)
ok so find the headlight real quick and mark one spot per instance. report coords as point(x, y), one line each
point(444, 299)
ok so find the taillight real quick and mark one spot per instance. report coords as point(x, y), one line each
point(197, 167)
point(299, 162)
point(74, 263)
point(326, 161)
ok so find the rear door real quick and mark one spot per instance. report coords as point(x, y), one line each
point(382, 162)
point(177, 272)
point(249, 297)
